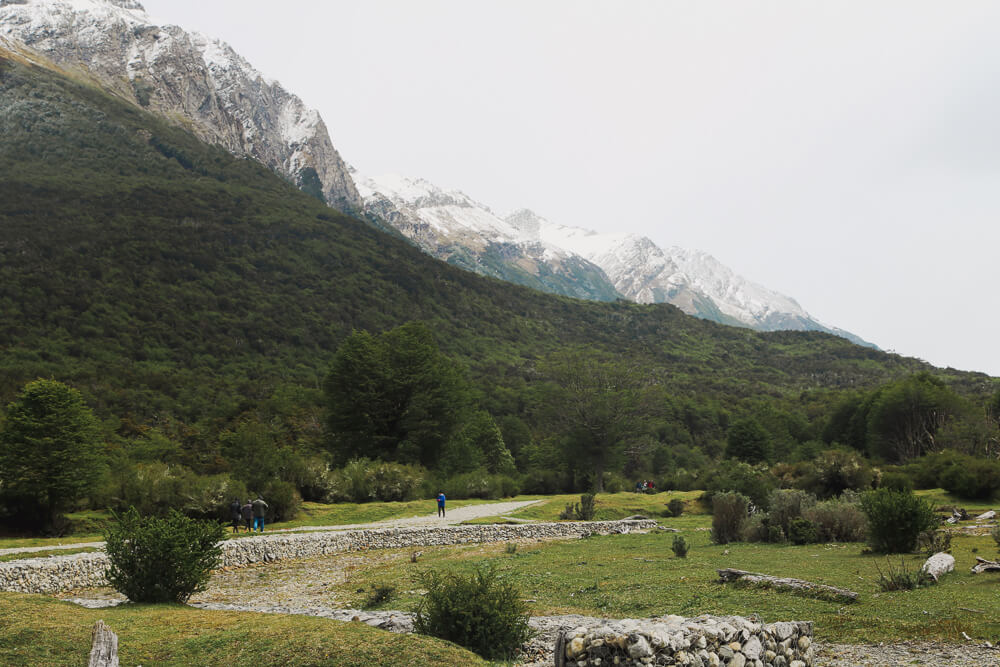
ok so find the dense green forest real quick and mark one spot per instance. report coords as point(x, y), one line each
point(217, 321)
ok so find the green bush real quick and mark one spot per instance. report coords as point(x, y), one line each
point(482, 612)
point(581, 511)
point(729, 513)
point(680, 546)
point(755, 483)
point(934, 541)
point(897, 481)
point(971, 478)
point(901, 579)
point(378, 595)
point(675, 507)
point(839, 520)
point(364, 480)
point(896, 519)
point(802, 531)
point(161, 560)
point(479, 484)
point(786, 505)
point(835, 470)
point(155, 489)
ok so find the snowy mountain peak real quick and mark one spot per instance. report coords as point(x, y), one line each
point(189, 78)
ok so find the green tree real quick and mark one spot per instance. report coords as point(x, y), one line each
point(748, 441)
point(394, 396)
point(50, 451)
point(905, 419)
point(594, 405)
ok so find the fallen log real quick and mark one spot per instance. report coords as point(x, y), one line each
point(784, 583)
point(983, 565)
point(104, 649)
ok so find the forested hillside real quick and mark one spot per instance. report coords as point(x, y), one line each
point(197, 300)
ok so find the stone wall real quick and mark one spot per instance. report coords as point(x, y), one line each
point(705, 641)
point(63, 573)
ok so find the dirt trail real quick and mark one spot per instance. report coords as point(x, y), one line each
point(453, 516)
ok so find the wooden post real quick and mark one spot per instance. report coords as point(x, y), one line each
point(104, 647)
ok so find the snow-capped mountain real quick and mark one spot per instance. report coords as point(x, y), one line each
point(450, 225)
point(692, 280)
point(454, 227)
point(188, 78)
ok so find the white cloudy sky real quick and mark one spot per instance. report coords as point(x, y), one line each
point(844, 153)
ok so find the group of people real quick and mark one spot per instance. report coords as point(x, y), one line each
point(248, 512)
point(645, 486)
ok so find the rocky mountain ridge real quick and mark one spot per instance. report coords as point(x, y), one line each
point(198, 82)
point(449, 223)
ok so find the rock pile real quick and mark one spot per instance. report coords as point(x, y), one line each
point(63, 573)
point(705, 641)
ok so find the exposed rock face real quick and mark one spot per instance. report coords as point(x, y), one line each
point(452, 226)
point(939, 564)
point(191, 79)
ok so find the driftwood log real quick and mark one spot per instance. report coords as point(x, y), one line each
point(784, 583)
point(983, 565)
point(104, 647)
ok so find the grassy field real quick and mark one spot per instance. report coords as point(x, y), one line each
point(638, 575)
point(41, 631)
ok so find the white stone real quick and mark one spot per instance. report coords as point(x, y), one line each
point(938, 564)
point(752, 648)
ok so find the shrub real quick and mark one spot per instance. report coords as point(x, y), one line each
point(581, 511)
point(481, 612)
point(283, 500)
point(934, 541)
point(680, 546)
point(995, 533)
point(614, 483)
point(480, 484)
point(897, 481)
point(758, 528)
point(364, 480)
point(896, 519)
point(675, 507)
point(511, 548)
point(729, 513)
point(161, 560)
point(380, 594)
point(802, 531)
point(755, 484)
point(901, 579)
point(786, 505)
point(971, 478)
point(838, 520)
point(835, 471)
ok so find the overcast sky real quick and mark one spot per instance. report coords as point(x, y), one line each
point(844, 153)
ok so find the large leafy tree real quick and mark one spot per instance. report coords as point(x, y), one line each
point(594, 406)
point(748, 441)
point(51, 452)
point(394, 396)
point(905, 418)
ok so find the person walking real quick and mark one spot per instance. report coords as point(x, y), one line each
point(247, 512)
point(441, 504)
point(259, 510)
point(236, 513)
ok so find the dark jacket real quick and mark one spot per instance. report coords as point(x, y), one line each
point(235, 509)
point(259, 507)
point(247, 511)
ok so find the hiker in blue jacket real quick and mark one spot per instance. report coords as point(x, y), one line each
point(441, 504)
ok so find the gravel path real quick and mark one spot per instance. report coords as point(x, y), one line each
point(453, 516)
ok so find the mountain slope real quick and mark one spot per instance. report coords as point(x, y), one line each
point(181, 288)
point(192, 79)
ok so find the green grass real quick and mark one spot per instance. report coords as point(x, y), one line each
point(610, 506)
point(42, 631)
point(638, 575)
point(44, 554)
